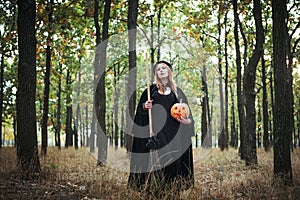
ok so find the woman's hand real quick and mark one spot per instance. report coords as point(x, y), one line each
point(147, 105)
point(183, 120)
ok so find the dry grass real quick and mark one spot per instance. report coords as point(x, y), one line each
point(71, 174)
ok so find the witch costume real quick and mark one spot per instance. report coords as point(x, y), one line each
point(171, 142)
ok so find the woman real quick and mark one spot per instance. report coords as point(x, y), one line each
point(171, 142)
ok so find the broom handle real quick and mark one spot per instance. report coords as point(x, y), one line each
point(148, 95)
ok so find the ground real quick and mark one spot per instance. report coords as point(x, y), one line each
point(73, 174)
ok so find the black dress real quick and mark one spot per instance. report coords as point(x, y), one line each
point(174, 156)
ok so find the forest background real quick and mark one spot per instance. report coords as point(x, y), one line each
point(238, 63)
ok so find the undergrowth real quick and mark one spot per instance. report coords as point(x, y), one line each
point(73, 174)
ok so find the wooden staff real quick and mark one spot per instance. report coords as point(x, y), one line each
point(154, 159)
point(148, 94)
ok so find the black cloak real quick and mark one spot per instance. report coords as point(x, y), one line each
point(174, 161)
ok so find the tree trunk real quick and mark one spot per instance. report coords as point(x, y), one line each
point(1, 95)
point(75, 133)
point(271, 112)
point(122, 142)
point(158, 33)
point(47, 81)
point(110, 128)
point(82, 128)
point(15, 130)
point(290, 54)
point(226, 128)
point(249, 85)
point(58, 112)
point(152, 48)
point(298, 123)
point(131, 82)
point(259, 125)
point(282, 126)
point(206, 137)
point(87, 126)
point(27, 151)
point(243, 138)
point(93, 133)
point(234, 134)
point(266, 141)
point(69, 131)
point(240, 96)
point(222, 136)
point(78, 111)
point(100, 96)
point(204, 132)
point(96, 74)
point(116, 103)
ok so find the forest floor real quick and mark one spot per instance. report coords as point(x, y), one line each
point(73, 174)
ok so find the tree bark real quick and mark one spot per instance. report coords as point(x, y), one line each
point(206, 137)
point(271, 112)
point(266, 140)
point(243, 138)
point(78, 111)
point(122, 138)
point(116, 103)
point(69, 131)
point(96, 73)
point(282, 129)
point(131, 82)
point(222, 137)
point(87, 126)
point(226, 124)
point(258, 133)
point(234, 134)
point(240, 96)
point(58, 111)
point(92, 135)
point(27, 151)
point(298, 124)
point(158, 32)
point(290, 94)
point(204, 131)
point(100, 96)
point(47, 81)
point(75, 133)
point(152, 49)
point(1, 95)
point(15, 129)
point(249, 85)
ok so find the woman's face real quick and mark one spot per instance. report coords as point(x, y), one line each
point(162, 71)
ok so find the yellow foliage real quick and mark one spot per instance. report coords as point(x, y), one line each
point(8, 135)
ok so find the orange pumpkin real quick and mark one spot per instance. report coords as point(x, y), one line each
point(180, 110)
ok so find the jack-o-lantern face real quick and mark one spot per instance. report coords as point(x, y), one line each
point(180, 110)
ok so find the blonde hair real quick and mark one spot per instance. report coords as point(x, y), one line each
point(171, 83)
